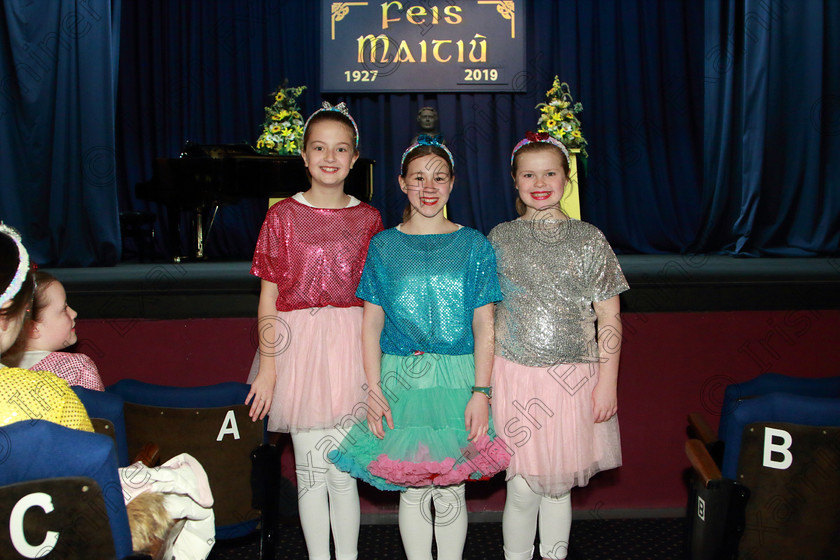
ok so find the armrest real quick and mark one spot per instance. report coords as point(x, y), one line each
point(700, 429)
point(149, 455)
point(701, 461)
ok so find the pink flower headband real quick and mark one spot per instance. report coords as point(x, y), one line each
point(427, 140)
point(545, 137)
point(23, 265)
point(340, 108)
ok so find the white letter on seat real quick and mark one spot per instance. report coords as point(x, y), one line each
point(770, 447)
point(229, 426)
point(36, 499)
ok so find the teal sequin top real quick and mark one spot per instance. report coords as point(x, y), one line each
point(428, 287)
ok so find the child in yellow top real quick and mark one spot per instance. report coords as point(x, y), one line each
point(24, 394)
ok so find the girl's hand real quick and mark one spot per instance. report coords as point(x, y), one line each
point(477, 416)
point(604, 402)
point(377, 408)
point(260, 395)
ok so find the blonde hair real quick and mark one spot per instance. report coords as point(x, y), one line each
point(148, 521)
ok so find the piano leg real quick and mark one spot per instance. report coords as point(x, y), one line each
point(199, 234)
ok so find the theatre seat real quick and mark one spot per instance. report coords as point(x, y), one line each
point(88, 519)
point(775, 493)
point(210, 423)
point(106, 415)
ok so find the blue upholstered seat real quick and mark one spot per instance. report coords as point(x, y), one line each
point(100, 404)
point(37, 449)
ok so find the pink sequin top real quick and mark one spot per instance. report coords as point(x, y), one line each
point(315, 255)
point(76, 369)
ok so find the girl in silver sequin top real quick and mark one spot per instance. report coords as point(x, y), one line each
point(554, 373)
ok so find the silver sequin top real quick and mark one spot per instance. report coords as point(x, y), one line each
point(551, 271)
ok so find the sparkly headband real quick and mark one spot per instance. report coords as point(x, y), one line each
point(545, 137)
point(340, 108)
point(427, 140)
point(23, 265)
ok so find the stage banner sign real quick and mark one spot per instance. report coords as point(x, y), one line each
point(423, 45)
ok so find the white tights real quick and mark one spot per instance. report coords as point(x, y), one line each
point(449, 524)
point(519, 522)
point(326, 496)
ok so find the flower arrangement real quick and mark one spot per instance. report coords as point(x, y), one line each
point(558, 117)
point(283, 127)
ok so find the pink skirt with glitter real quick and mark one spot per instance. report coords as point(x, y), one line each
point(545, 416)
point(320, 378)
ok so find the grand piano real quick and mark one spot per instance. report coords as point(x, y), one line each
point(207, 176)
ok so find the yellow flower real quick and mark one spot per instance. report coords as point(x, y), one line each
point(550, 123)
point(280, 96)
point(292, 145)
point(276, 117)
point(576, 133)
point(275, 128)
point(286, 131)
point(269, 143)
point(284, 115)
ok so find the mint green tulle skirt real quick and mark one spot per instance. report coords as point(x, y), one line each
point(428, 395)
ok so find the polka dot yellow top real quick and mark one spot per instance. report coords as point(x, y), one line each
point(26, 394)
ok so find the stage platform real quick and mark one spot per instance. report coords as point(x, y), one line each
point(692, 326)
point(659, 283)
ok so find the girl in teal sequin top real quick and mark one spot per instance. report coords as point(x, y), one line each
point(427, 336)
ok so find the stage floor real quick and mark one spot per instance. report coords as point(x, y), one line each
point(659, 283)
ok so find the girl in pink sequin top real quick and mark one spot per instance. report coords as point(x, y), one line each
point(308, 375)
point(50, 327)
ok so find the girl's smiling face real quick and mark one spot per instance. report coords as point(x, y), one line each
point(329, 153)
point(56, 325)
point(427, 183)
point(540, 179)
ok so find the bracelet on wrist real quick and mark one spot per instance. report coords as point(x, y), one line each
point(486, 391)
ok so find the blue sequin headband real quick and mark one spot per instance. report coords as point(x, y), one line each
point(534, 137)
point(340, 108)
point(427, 140)
point(23, 265)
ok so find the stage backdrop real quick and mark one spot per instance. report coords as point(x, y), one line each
point(203, 72)
point(749, 169)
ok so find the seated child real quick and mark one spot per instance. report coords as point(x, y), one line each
point(51, 327)
point(179, 489)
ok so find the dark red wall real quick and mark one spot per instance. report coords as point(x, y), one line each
point(671, 364)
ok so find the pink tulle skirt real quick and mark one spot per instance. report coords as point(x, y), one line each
point(320, 378)
point(545, 416)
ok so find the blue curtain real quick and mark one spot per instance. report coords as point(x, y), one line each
point(58, 63)
point(712, 126)
point(202, 72)
point(772, 128)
